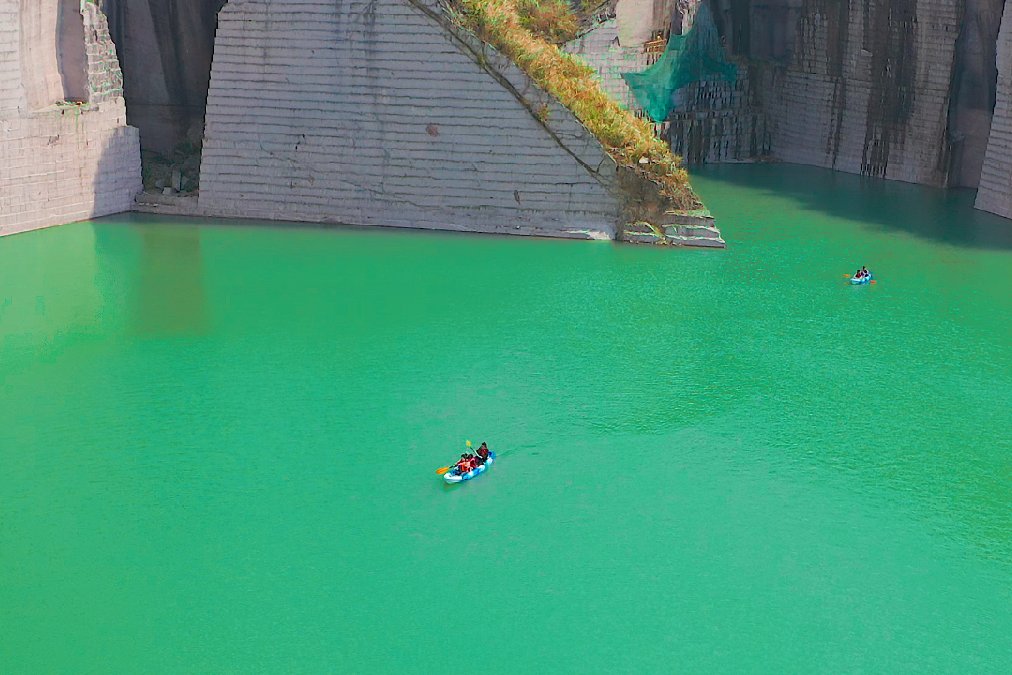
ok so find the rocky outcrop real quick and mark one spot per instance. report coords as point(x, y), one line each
point(995, 192)
point(66, 152)
point(382, 113)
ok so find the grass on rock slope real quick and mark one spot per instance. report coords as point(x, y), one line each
point(529, 32)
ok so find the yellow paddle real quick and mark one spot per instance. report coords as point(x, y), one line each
point(443, 470)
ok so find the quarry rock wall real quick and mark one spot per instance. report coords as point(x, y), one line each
point(66, 152)
point(718, 121)
point(863, 86)
point(973, 90)
point(380, 113)
point(904, 89)
point(995, 192)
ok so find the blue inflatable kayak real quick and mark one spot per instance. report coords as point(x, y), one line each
point(454, 475)
point(862, 280)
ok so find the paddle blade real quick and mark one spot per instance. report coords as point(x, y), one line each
point(873, 281)
point(441, 470)
point(846, 276)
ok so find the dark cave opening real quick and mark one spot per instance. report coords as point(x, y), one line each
point(165, 49)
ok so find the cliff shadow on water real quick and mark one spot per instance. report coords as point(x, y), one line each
point(936, 214)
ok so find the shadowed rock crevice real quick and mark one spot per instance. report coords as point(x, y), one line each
point(166, 49)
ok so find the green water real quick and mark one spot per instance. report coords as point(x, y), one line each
point(218, 444)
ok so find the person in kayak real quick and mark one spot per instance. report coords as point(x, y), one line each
point(483, 452)
point(865, 272)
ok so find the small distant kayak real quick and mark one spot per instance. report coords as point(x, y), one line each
point(454, 476)
point(862, 280)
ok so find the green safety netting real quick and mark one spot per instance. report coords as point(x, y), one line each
point(694, 57)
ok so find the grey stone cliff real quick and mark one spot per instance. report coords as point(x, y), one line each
point(898, 89)
point(995, 192)
point(66, 152)
point(866, 89)
point(381, 113)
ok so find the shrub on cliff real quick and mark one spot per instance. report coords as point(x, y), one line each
point(507, 25)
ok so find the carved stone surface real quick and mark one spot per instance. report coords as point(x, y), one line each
point(381, 113)
point(995, 193)
point(66, 152)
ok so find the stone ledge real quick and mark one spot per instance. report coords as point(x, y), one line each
point(693, 230)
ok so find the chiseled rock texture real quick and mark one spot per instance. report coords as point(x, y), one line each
point(865, 87)
point(61, 162)
point(379, 112)
point(995, 192)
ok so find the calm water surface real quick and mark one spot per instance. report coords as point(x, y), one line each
point(218, 444)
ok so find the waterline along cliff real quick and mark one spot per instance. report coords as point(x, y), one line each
point(409, 113)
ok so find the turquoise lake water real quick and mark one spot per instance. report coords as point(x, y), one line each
point(218, 443)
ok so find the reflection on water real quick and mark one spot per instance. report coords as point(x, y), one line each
point(48, 290)
point(170, 298)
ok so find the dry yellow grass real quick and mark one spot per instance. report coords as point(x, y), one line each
point(628, 139)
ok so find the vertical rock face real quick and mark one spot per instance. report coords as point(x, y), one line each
point(166, 50)
point(995, 192)
point(864, 87)
point(66, 152)
point(378, 112)
point(900, 89)
point(972, 98)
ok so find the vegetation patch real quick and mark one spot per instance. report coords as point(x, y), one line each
point(529, 32)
